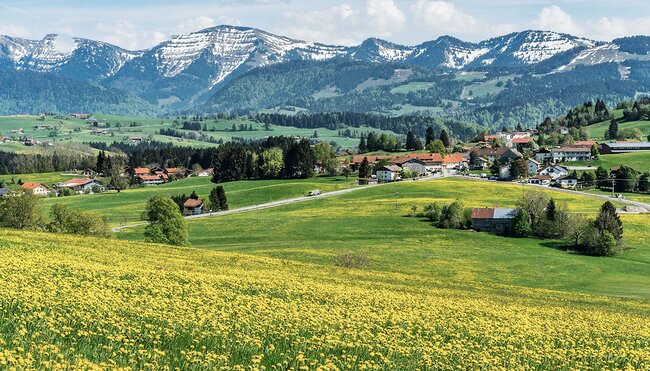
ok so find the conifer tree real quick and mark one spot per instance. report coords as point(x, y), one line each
point(444, 138)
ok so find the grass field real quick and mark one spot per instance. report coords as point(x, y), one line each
point(46, 179)
point(484, 88)
point(278, 302)
point(72, 130)
point(411, 86)
point(126, 206)
point(639, 161)
point(368, 221)
point(597, 131)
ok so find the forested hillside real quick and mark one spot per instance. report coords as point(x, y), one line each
point(485, 99)
point(32, 92)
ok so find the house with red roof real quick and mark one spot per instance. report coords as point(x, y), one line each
point(36, 188)
point(493, 219)
point(81, 185)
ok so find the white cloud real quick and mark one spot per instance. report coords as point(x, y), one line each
point(14, 30)
point(385, 16)
point(553, 18)
point(608, 28)
point(443, 16)
point(127, 35)
point(195, 24)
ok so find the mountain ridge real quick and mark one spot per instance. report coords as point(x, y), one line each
point(188, 69)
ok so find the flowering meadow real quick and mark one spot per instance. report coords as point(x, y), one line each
point(83, 303)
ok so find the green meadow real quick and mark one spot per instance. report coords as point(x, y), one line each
point(72, 130)
point(376, 221)
point(128, 205)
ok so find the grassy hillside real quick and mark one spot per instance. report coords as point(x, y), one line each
point(127, 206)
point(43, 178)
point(72, 130)
point(597, 131)
point(69, 302)
point(639, 161)
point(368, 221)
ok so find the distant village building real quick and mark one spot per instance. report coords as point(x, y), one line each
point(136, 139)
point(4, 191)
point(563, 154)
point(36, 188)
point(367, 181)
point(567, 182)
point(554, 171)
point(540, 180)
point(81, 185)
point(204, 172)
point(493, 219)
point(388, 173)
point(624, 147)
point(533, 166)
point(150, 179)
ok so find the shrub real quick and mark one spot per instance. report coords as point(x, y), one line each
point(433, 212)
point(86, 223)
point(452, 216)
point(352, 259)
point(521, 225)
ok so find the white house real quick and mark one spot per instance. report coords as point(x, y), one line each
point(555, 171)
point(540, 180)
point(36, 188)
point(563, 154)
point(388, 173)
point(81, 185)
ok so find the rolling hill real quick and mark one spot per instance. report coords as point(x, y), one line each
point(273, 297)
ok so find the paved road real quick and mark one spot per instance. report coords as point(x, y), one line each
point(276, 203)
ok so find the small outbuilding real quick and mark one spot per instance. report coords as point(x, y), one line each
point(193, 206)
point(493, 219)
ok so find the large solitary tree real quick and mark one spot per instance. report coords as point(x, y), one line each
point(166, 224)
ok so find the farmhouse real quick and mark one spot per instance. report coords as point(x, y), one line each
point(204, 172)
point(413, 164)
point(150, 179)
point(136, 139)
point(36, 188)
point(89, 173)
point(493, 219)
point(502, 154)
point(141, 171)
point(388, 173)
point(81, 185)
point(624, 147)
point(193, 206)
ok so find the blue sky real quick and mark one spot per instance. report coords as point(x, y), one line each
point(142, 24)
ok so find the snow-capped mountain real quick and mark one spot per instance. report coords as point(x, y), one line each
point(77, 58)
point(188, 68)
